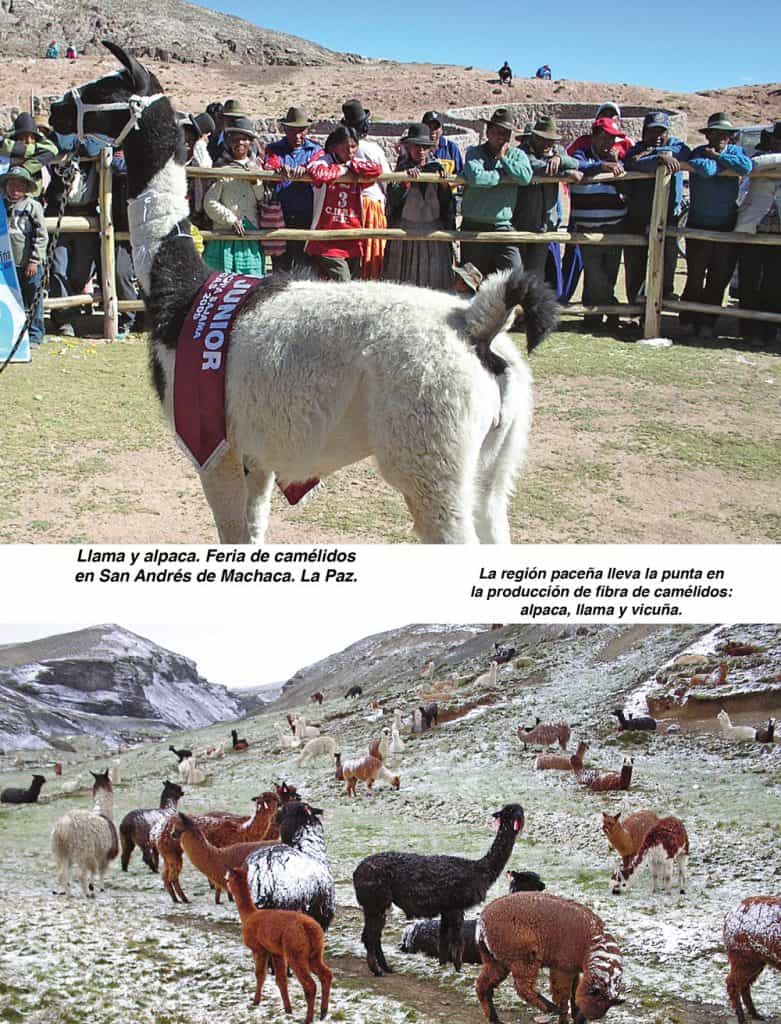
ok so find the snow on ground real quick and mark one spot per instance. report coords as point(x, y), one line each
point(131, 955)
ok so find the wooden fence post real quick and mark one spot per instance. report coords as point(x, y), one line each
point(107, 257)
point(654, 274)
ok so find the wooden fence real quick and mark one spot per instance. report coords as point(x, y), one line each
point(650, 310)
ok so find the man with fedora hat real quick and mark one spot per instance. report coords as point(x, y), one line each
point(759, 266)
point(656, 146)
point(26, 146)
point(494, 171)
point(445, 150)
point(290, 156)
point(372, 198)
point(714, 205)
point(537, 207)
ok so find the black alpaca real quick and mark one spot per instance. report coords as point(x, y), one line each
point(642, 724)
point(237, 743)
point(354, 691)
point(765, 734)
point(431, 886)
point(503, 653)
point(423, 936)
point(182, 754)
point(23, 796)
point(136, 827)
point(429, 715)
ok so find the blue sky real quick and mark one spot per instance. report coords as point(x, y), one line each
point(670, 45)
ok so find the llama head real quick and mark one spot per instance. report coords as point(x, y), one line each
point(510, 818)
point(102, 782)
point(38, 780)
point(84, 110)
point(525, 881)
point(618, 881)
point(610, 823)
point(172, 791)
point(395, 782)
point(593, 1003)
point(723, 717)
point(295, 816)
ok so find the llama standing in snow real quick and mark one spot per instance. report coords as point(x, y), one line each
point(87, 840)
point(401, 373)
point(752, 939)
point(665, 848)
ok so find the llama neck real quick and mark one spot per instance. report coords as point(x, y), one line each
point(239, 889)
point(603, 968)
point(256, 826)
point(157, 185)
point(621, 840)
point(494, 861)
point(104, 804)
point(203, 855)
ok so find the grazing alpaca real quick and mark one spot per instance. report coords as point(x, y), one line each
point(317, 698)
point(354, 691)
point(182, 754)
point(603, 782)
point(524, 932)
point(290, 938)
point(212, 861)
point(24, 796)
point(294, 874)
point(543, 734)
point(317, 747)
point(237, 743)
point(643, 723)
point(366, 769)
point(87, 840)
point(752, 940)
point(389, 370)
point(735, 732)
point(664, 847)
point(220, 829)
point(423, 936)
point(626, 836)
point(557, 762)
point(135, 829)
point(427, 886)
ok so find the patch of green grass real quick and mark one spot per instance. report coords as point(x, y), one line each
point(700, 447)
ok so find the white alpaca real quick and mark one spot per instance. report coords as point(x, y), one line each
point(71, 785)
point(488, 678)
point(735, 732)
point(304, 731)
point(322, 375)
point(287, 740)
point(396, 748)
point(87, 840)
point(115, 773)
point(379, 747)
point(317, 747)
point(189, 772)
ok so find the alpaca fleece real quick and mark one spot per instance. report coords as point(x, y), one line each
point(136, 827)
point(752, 939)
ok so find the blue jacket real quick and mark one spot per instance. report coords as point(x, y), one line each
point(714, 198)
point(641, 193)
point(448, 150)
point(296, 197)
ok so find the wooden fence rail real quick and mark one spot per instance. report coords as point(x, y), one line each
point(651, 311)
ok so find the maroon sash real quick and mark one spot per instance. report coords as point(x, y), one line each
point(199, 374)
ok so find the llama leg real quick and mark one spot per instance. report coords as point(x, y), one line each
point(179, 890)
point(149, 857)
point(260, 484)
point(499, 462)
point(280, 976)
point(491, 976)
point(561, 989)
point(745, 993)
point(127, 848)
point(442, 512)
point(321, 970)
point(260, 956)
point(742, 973)
point(86, 885)
point(226, 491)
point(307, 983)
point(525, 979)
point(683, 874)
point(451, 937)
point(371, 937)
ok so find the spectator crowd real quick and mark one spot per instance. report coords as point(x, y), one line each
point(502, 192)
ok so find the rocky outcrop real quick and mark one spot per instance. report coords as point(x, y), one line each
point(162, 29)
point(106, 682)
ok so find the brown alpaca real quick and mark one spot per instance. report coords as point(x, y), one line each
point(221, 829)
point(545, 762)
point(290, 938)
point(284, 794)
point(602, 782)
point(752, 940)
point(626, 836)
point(366, 769)
point(544, 734)
point(212, 861)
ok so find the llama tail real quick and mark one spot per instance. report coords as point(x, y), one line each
point(490, 311)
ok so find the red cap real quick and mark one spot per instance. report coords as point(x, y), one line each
point(607, 124)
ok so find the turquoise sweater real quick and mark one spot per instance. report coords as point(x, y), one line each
point(714, 199)
point(492, 185)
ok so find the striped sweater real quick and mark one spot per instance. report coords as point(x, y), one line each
point(598, 204)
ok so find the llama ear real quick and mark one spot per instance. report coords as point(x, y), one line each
point(138, 73)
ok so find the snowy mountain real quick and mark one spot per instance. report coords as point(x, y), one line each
point(103, 681)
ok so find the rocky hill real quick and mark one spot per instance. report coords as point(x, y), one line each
point(105, 682)
point(167, 29)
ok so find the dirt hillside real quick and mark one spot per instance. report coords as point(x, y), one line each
point(389, 90)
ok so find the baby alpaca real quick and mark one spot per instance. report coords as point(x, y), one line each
point(290, 938)
point(366, 769)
